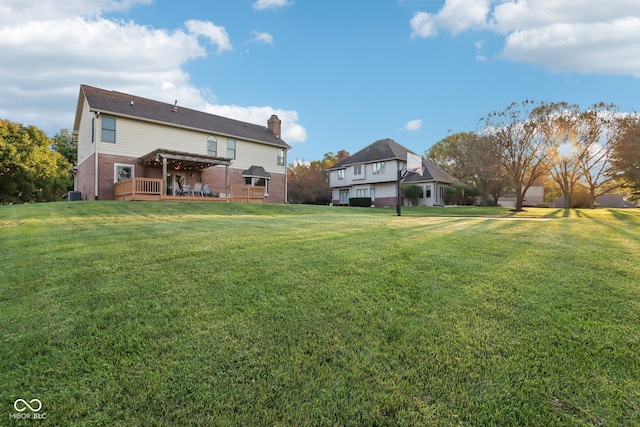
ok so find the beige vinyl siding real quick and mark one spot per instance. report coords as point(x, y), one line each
point(253, 154)
point(135, 139)
point(85, 147)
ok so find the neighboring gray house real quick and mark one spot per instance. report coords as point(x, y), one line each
point(434, 182)
point(373, 172)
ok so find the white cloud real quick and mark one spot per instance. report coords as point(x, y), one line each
point(584, 36)
point(270, 4)
point(480, 45)
point(455, 15)
point(604, 48)
point(49, 48)
point(423, 25)
point(460, 15)
point(258, 37)
point(14, 11)
point(217, 35)
point(413, 125)
point(291, 131)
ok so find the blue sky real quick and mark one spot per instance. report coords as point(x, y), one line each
point(340, 75)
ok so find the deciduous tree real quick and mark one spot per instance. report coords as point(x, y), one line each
point(626, 155)
point(596, 132)
point(29, 170)
point(65, 143)
point(308, 182)
point(519, 144)
point(557, 122)
point(472, 159)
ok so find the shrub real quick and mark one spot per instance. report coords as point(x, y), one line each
point(363, 202)
point(412, 192)
point(458, 194)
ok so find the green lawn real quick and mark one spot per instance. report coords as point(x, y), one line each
point(179, 314)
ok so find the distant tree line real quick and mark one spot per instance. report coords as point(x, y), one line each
point(33, 167)
point(592, 151)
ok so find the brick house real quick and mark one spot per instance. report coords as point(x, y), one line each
point(161, 149)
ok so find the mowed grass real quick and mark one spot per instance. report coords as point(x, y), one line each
point(180, 314)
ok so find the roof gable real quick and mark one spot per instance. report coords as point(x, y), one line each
point(122, 104)
point(383, 149)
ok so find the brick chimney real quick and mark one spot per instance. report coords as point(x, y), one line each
point(342, 155)
point(274, 125)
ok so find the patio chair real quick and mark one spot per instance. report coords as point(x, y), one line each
point(177, 191)
point(197, 189)
point(206, 191)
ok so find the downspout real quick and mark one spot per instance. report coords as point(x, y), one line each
point(95, 156)
point(286, 179)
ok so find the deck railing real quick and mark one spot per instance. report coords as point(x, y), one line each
point(152, 189)
point(139, 189)
point(247, 193)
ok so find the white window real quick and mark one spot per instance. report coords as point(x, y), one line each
point(372, 193)
point(344, 197)
point(212, 146)
point(280, 157)
point(357, 170)
point(340, 173)
point(362, 192)
point(122, 172)
point(108, 129)
point(231, 149)
point(378, 168)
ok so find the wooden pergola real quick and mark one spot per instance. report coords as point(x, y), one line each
point(183, 161)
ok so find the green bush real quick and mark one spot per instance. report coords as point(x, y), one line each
point(363, 202)
point(458, 194)
point(412, 192)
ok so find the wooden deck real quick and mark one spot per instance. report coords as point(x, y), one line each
point(153, 189)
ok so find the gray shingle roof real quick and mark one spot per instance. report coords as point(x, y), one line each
point(256, 172)
point(118, 103)
point(383, 149)
point(431, 173)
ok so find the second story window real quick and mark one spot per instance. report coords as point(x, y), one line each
point(357, 170)
point(231, 149)
point(108, 129)
point(378, 168)
point(280, 157)
point(340, 173)
point(212, 146)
